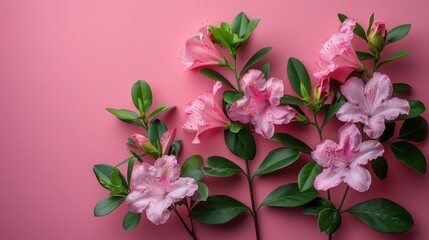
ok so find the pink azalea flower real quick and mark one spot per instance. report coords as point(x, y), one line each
point(337, 53)
point(322, 86)
point(344, 162)
point(156, 188)
point(261, 103)
point(205, 113)
point(201, 52)
point(166, 140)
point(371, 104)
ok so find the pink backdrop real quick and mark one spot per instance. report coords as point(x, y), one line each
point(63, 62)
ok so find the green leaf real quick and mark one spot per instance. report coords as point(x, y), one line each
point(157, 110)
point(358, 29)
point(130, 169)
point(409, 154)
point(126, 116)
point(259, 55)
point(307, 175)
point(265, 69)
point(364, 56)
point(242, 144)
point(103, 171)
point(371, 21)
point(416, 109)
point(289, 196)
point(232, 97)
point(288, 99)
point(202, 192)
point(107, 205)
point(277, 159)
point(142, 96)
point(298, 76)
point(393, 57)
point(195, 174)
point(332, 110)
point(401, 87)
point(397, 33)
point(388, 131)
point(318, 204)
point(131, 220)
point(176, 147)
point(155, 131)
point(239, 25)
point(193, 162)
point(218, 209)
point(414, 129)
point(292, 142)
point(223, 37)
point(221, 167)
point(210, 73)
point(155, 116)
point(126, 161)
point(380, 167)
point(235, 127)
point(383, 215)
point(329, 220)
point(251, 27)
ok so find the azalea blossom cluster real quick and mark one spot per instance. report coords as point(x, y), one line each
point(364, 103)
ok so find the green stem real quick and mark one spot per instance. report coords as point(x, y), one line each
point(191, 232)
point(234, 69)
point(344, 197)
point(254, 211)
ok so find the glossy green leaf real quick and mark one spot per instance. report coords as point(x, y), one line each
point(251, 27)
point(154, 115)
point(394, 57)
point(383, 215)
point(235, 127)
point(202, 192)
point(288, 99)
point(364, 56)
point(239, 24)
point(409, 154)
point(126, 116)
point(103, 171)
point(222, 37)
point(380, 167)
point(388, 131)
point(416, 109)
point(196, 174)
point(329, 220)
point(221, 167)
point(126, 161)
point(210, 73)
point(155, 131)
point(277, 159)
point(157, 110)
point(242, 144)
point(218, 209)
point(232, 97)
point(258, 56)
point(265, 69)
point(318, 204)
point(107, 205)
point(397, 33)
point(131, 220)
point(130, 169)
point(138, 156)
point(289, 196)
point(401, 87)
point(176, 148)
point(193, 162)
point(298, 76)
point(332, 110)
point(358, 28)
point(142, 95)
point(414, 129)
point(307, 175)
point(292, 142)
point(371, 21)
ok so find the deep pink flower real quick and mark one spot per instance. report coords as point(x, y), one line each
point(166, 140)
point(202, 51)
point(344, 162)
point(322, 86)
point(261, 103)
point(139, 139)
point(377, 38)
point(205, 113)
point(155, 188)
point(371, 104)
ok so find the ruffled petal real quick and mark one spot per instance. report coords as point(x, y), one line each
point(353, 91)
point(167, 139)
point(358, 178)
point(264, 125)
point(352, 113)
point(349, 137)
point(327, 179)
point(374, 127)
point(239, 111)
point(368, 150)
point(377, 90)
point(158, 212)
point(392, 108)
point(138, 201)
point(275, 88)
point(181, 188)
point(325, 153)
point(141, 179)
point(252, 82)
point(167, 169)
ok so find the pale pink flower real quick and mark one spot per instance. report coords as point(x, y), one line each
point(201, 52)
point(261, 103)
point(344, 162)
point(166, 140)
point(205, 113)
point(371, 104)
point(156, 188)
point(338, 53)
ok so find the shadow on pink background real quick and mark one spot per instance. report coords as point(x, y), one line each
point(63, 62)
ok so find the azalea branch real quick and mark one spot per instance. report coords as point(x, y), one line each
point(191, 232)
point(343, 198)
point(254, 211)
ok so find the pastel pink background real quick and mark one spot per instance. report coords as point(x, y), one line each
point(63, 62)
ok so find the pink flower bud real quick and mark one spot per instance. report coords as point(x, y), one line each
point(377, 38)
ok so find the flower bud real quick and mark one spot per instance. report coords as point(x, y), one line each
point(377, 38)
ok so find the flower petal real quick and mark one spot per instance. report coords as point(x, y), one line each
point(158, 212)
point(167, 169)
point(368, 150)
point(252, 82)
point(264, 125)
point(349, 137)
point(392, 108)
point(325, 153)
point(138, 201)
point(239, 111)
point(181, 188)
point(358, 178)
point(352, 113)
point(374, 127)
point(327, 179)
point(377, 90)
point(353, 90)
point(275, 88)
point(167, 139)
point(140, 179)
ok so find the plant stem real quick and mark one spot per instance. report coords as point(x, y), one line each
point(254, 211)
point(344, 197)
point(191, 232)
point(234, 69)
